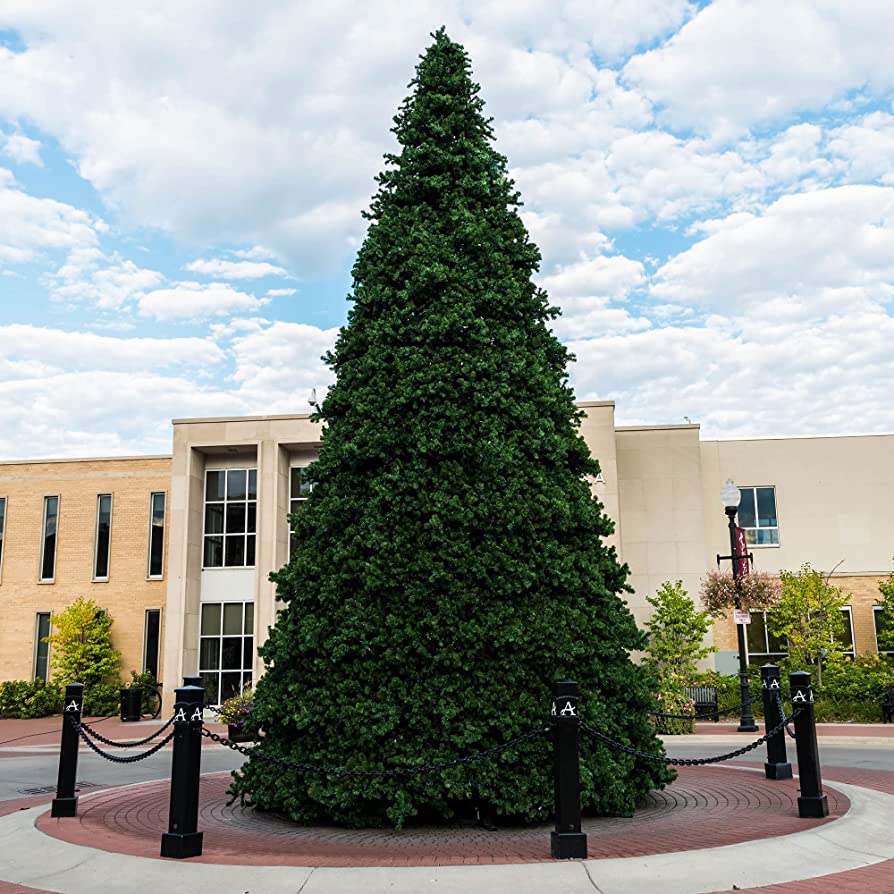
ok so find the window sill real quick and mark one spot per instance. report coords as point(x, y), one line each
point(157, 576)
point(765, 546)
point(45, 582)
point(100, 580)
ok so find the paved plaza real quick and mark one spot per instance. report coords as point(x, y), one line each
point(718, 828)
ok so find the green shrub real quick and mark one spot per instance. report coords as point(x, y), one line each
point(671, 700)
point(102, 699)
point(149, 684)
point(23, 699)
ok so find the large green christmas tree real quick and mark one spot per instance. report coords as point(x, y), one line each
point(450, 562)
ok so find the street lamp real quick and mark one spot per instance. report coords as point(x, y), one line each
point(730, 497)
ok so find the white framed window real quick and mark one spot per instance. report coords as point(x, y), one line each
point(847, 637)
point(102, 537)
point(2, 532)
point(757, 515)
point(881, 621)
point(231, 512)
point(299, 491)
point(226, 649)
point(41, 647)
point(151, 640)
point(157, 507)
point(49, 532)
point(763, 646)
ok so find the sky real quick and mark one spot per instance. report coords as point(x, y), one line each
point(711, 185)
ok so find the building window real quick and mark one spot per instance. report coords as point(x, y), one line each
point(151, 630)
point(231, 510)
point(226, 649)
point(156, 534)
point(41, 646)
point(763, 646)
point(299, 491)
point(883, 623)
point(102, 537)
point(757, 515)
point(48, 542)
point(847, 637)
point(2, 529)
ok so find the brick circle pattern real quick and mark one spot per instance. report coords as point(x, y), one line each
point(705, 807)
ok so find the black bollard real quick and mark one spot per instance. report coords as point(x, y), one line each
point(182, 838)
point(567, 841)
point(192, 681)
point(777, 765)
point(812, 804)
point(66, 801)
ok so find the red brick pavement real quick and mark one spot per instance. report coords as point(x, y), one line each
point(706, 807)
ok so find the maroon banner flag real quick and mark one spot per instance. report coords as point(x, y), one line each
point(742, 549)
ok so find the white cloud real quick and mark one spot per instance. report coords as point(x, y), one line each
point(280, 293)
point(21, 149)
point(109, 283)
point(192, 300)
point(234, 269)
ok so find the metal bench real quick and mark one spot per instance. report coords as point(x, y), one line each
point(705, 698)
point(888, 706)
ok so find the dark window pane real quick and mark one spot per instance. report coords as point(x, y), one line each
point(232, 619)
point(150, 649)
point(231, 655)
point(214, 516)
point(2, 523)
point(235, 556)
point(157, 536)
point(252, 484)
point(230, 685)
point(103, 534)
point(755, 633)
point(236, 484)
point(246, 681)
point(214, 485)
point(250, 550)
point(248, 652)
point(766, 536)
point(41, 648)
point(211, 619)
point(211, 683)
point(294, 483)
point(846, 637)
point(51, 515)
point(249, 617)
point(209, 654)
point(213, 552)
point(766, 507)
point(235, 518)
point(251, 522)
point(746, 508)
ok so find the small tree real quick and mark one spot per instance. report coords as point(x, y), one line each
point(808, 614)
point(83, 650)
point(676, 631)
point(886, 603)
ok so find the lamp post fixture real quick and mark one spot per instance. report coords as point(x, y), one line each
point(730, 497)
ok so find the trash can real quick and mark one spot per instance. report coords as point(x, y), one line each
point(131, 704)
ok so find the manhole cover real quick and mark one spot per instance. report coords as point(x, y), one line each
point(49, 789)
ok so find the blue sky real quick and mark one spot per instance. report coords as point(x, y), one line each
point(711, 185)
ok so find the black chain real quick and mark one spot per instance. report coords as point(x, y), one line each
point(789, 731)
point(396, 771)
point(131, 759)
point(707, 716)
point(92, 732)
point(684, 761)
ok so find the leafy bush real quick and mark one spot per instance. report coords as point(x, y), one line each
point(23, 699)
point(238, 708)
point(149, 684)
point(102, 699)
point(671, 700)
point(676, 633)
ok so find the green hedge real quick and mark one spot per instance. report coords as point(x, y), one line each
point(23, 699)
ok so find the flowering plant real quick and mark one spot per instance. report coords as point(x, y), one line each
point(755, 591)
point(238, 708)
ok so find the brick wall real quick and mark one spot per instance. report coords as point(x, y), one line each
point(127, 593)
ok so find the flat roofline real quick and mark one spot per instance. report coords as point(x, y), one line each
point(200, 419)
point(683, 426)
point(583, 404)
point(84, 459)
point(883, 434)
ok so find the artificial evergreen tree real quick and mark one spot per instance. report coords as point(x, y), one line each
point(450, 562)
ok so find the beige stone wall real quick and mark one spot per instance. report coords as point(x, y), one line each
point(125, 595)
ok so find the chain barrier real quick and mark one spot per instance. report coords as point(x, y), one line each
point(395, 771)
point(685, 761)
point(708, 716)
point(92, 732)
point(130, 759)
point(785, 720)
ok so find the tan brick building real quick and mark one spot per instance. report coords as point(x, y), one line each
point(82, 528)
point(230, 483)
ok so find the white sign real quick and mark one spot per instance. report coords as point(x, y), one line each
point(742, 616)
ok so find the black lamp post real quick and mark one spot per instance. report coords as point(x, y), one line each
point(730, 497)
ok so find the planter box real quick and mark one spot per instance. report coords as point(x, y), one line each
point(235, 733)
point(131, 704)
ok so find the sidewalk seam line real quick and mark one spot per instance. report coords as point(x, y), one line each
point(590, 878)
point(304, 883)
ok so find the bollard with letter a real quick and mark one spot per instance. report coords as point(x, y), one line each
point(567, 841)
point(66, 801)
point(812, 804)
point(183, 838)
point(777, 765)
